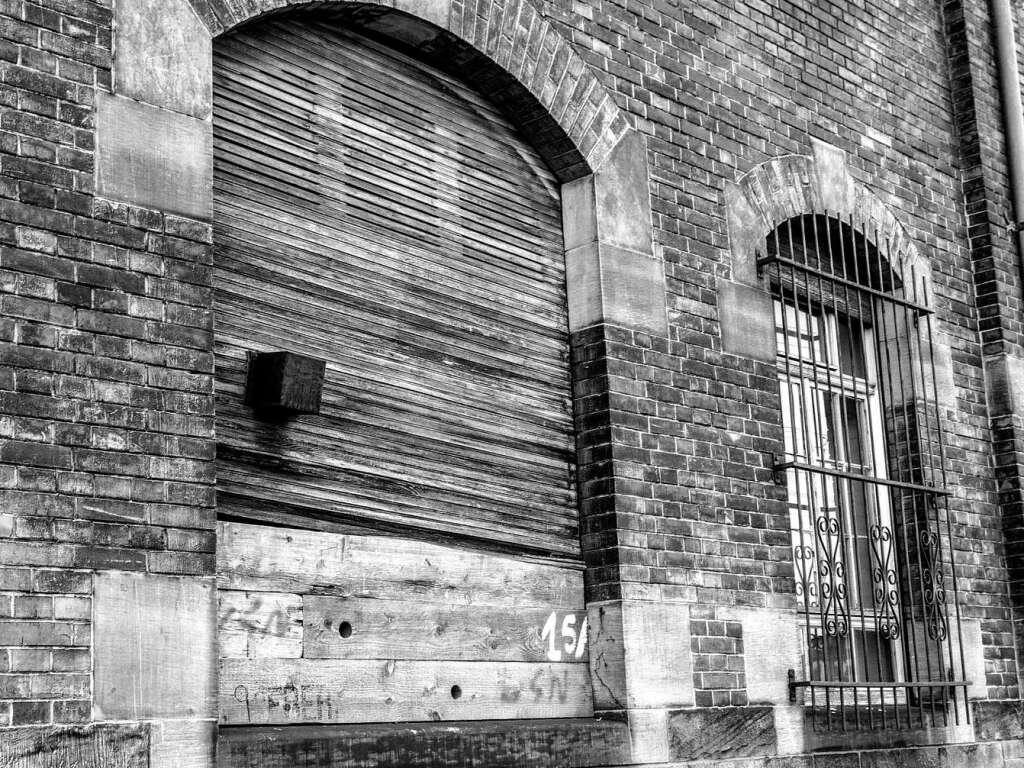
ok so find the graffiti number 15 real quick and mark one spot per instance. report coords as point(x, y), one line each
point(571, 640)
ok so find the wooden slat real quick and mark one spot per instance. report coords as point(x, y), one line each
point(259, 624)
point(291, 691)
point(257, 558)
point(494, 744)
point(378, 214)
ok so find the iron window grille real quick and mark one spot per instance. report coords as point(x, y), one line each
point(864, 468)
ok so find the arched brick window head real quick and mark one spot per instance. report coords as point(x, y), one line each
point(863, 462)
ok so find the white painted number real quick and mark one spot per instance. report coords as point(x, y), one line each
point(573, 641)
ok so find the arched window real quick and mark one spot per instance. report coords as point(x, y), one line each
point(864, 462)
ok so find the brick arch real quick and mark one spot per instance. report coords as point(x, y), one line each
point(507, 50)
point(794, 185)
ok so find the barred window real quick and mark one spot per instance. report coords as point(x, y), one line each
point(864, 467)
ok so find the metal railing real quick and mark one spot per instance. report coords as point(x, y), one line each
point(864, 467)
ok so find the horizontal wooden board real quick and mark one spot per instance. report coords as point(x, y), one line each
point(291, 691)
point(264, 559)
point(355, 628)
point(259, 624)
point(494, 744)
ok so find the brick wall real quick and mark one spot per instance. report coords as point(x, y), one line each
point(718, 659)
point(106, 409)
point(721, 87)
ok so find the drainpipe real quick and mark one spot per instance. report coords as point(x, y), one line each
point(1013, 111)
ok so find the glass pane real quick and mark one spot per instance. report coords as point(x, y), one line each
point(851, 348)
point(853, 440)
point(876, 655)
point(798, 333)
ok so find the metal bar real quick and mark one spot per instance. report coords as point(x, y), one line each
point(900, 400)
point(795, 265)
point(949, 530)
point(877, 684)
point(925, 448)
point(847, 285)
point(825, 543)
point(801, 466)
point(787, 384)
point(843, 426)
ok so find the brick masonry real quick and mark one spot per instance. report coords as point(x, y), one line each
point(106, 396)
point(105, 382)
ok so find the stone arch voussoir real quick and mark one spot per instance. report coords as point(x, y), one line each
point(793, 185)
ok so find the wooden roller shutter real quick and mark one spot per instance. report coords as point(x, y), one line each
point(376, 213)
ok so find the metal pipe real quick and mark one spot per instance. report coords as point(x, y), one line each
point(1013, 111)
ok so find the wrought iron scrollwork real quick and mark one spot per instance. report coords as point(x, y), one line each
point(806, 583)
point(934, 586)
point(832, 576)
point(884, 582)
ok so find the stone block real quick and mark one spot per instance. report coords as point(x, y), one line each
point(834, 185)
point(722, 733)
point(640, 655)
point(1004, 378)
point(622, 196)
point(747, 320)
point(648, 735)
point(998, 720)
point(617, 286)
point(154, 647)
point(163, 55)
point(974, 657)
point(579, 217)
point(633, 290)
point(182, 744)
point(988, 755)
point(747, 228)
point(437, 12)
point(583, 286)
point(153, 158)
point(925, 757)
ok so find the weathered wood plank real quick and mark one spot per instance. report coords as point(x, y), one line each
point(107, 745)
point(389, 504)
point(259, 624)
point(354, 628)
point(501, 744)
point(279, 691)
point(259, 558)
